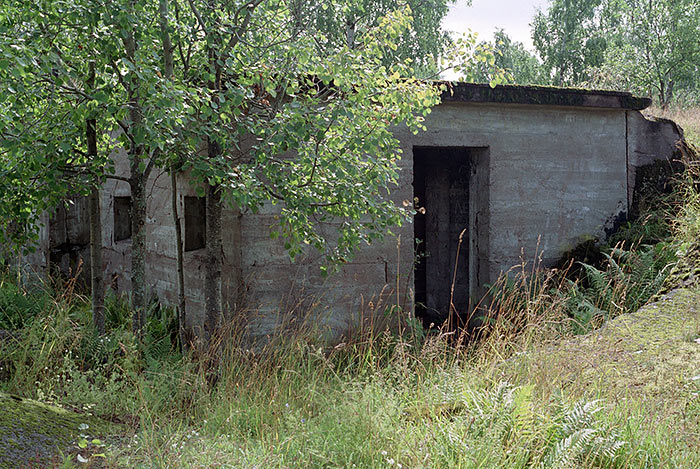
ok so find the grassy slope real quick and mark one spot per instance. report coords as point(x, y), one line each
point(644, 365)
point(431, 409)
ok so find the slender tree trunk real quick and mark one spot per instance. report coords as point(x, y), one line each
point(97, 285)
point(669, 94)
point(163, 10)
point(138, 252)
point(181, 301)
point(168, 73)
point(350, 33)
point(212, 279)
point(662, 95)
point(212, 283)
point(137, 179)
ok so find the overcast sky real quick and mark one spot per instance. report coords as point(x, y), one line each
point(483, 16)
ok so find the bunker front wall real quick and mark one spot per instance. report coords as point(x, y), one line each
point(556, 176)
point(161, 265)
point(544, 179)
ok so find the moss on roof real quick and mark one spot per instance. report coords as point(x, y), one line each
point(541, 95)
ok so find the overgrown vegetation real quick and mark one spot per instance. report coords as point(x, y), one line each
point(375, 402)
point(529, 393)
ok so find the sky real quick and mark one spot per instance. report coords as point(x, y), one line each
point(484, 16)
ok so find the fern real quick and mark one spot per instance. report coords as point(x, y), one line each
point(579, 438)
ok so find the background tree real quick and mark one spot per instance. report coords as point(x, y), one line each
point(343, 23)
point(644, 46)
point(476, 62)
point(520, 65)
point(569, 38)
point(655, 51)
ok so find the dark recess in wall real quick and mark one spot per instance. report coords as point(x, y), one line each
point(122, 218)
point(441, 186)
point(195, 223)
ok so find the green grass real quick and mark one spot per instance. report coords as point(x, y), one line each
point(539, 399)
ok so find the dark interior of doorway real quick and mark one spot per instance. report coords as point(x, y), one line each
point(441, 183)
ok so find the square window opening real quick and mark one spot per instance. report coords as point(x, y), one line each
point(122, 218)
point(195, 223)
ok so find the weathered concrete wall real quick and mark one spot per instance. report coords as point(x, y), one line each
point(547, 178)
point(161, 251)
point(556, 174)
point(652, 156)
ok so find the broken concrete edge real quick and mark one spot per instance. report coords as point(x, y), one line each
point(541, 95)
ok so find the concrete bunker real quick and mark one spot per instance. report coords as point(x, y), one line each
point(450, 186)
point(523, 170)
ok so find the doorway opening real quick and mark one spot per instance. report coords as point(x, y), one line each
point(450, 228)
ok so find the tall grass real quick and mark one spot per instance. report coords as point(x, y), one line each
point(379, 400)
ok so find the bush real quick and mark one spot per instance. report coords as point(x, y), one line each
point(18, 308)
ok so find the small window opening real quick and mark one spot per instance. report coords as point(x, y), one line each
point(195, 223)
point(122, 218)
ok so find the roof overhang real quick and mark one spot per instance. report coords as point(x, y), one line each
point(541, 95)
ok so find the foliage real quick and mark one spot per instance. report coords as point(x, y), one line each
point(307, 128)
point(646, 47)
point(522, 66)
point(475, 62)
point(18, 307)
point(655, 49)
point(44, 70)
point(345, 23)
point(628, 280)
point(569, 37)
point(281, 93)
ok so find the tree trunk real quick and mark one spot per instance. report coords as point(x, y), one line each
point(212, 279)
point(167, 44)
point(137, 179)
point(212, 282)
point(97, 286)
point(138, 252)
point(669, 94)
point(168, 74)
point(350, 33)
point(181, 302)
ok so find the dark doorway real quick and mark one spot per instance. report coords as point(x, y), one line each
point(449, 193)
